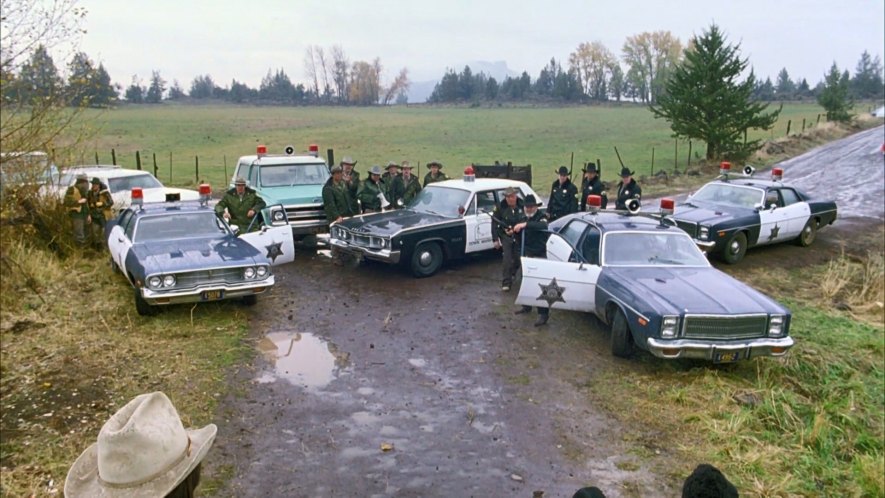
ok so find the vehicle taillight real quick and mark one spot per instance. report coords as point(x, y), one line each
point(594, 202)
point(777, 174)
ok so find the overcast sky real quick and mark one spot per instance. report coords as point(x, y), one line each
point(243, 39)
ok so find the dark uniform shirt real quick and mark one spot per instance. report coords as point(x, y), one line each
point(405, 191)
point(508, 216)
point(100, 204)
point(536, 235)
point(627, 192)
point(335, 201)
point(563, 199)
point(72, 200)
point(391, 188)
point(429, 178)
point(351, 188)
point(368, 195)
point(592, 187)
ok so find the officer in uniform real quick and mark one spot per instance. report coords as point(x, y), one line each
point(627, 189)
point(390, 187)
point(335, 201)
point(506, 216)
point(78, 210)
point(100, 202)
point(592, 185)
point(370, 192)
point(351, 179)
point(435, 174)
point(407, 185)
point(563, 196)
point(534, 245)
point(240, 205)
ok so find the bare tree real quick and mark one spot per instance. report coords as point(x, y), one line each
point(324, 68)
point(310, 65)
point(340, 66)
point(593, 62)
point(651, 58)
point(399, 86)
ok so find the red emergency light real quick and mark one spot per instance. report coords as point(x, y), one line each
point(469, 174)
point(667, 206)
point(137, 196)
point(777, 174)
point(594, 203)
point(205, 192)
point(261, 150)
point(314, 150)
point(724, 168)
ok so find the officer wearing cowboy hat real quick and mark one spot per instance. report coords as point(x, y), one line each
point(563, 196)
point(240, 205)
point(435, 174)
point(592, 185)
point(627, 189)
point(507, 214)
point(390, 187)
point(75, 204)
point(406, 186)
point(351, 180)
point(142, 451)
point(100, 203)
point(370, 192)
point(335, 202)
point(534, 245)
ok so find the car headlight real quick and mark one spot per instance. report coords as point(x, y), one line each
point(249, 273)
point(168, 281)
point(776, 325)
point(155, 282)
point(668, 326)
point(704, 233)
point(261, 271)
point(278, 215)
point(385, 243)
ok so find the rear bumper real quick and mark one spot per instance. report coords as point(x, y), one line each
point(195, 295)
point(707, 350)
point(384, 255)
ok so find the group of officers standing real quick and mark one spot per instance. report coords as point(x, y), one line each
point(89, 205)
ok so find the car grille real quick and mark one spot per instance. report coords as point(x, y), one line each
point(725, 327)
point(688, 227)
point(209, 277)
point(370, 241)
point(303, 214)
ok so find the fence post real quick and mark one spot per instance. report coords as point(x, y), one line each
point(688, 164)
point(789, 123)
point(114, 152)
point(331, 155)
point(96, 158)
point(155, 163)
point(170, 167)
point(197, 169)
point(225, 167)
point(137, 161)
point(818, 119)
point(745, 136)
point(675, 155)
point(652, 161)
point(803, 125)
point(599, 168)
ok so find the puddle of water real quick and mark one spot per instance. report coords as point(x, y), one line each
point(301, 359)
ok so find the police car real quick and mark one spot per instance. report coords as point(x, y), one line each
point(650, 282)
point(182, 252)
point(729, 215)
point(446, 220)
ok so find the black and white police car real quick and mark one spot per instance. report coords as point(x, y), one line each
point(729, 215)
point(447, 220)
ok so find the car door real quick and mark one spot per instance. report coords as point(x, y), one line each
point(558, 284)
point(797, 213)
point(274, 241)
point(478, 222)
point(120, 239)
point(777, 221)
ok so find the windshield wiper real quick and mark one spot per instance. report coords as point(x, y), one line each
point(656, 259)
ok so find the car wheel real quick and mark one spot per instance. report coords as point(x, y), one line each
point(310, 241)
point(142, 306)
point(735, 248)
point(622, 339)
point(250, 300)
point(807, 235)
point(426, 259)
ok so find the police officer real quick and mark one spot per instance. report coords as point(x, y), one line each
point(240, 205)
point(435, 174)
point(627, 189)
point(407, 186)
point(506, 216)
point(592, 185)
point(78, 210)
point(535, 246)
point(335, 201)
point(369, 195)
point(100, 202)
point(563, 196)
point(390, 187)
point(351, 179)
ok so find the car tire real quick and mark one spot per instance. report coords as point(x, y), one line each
point(310, 242)
point(808, 234)
point(735, 248)
point(427, 259)
point(622, 338)
point(250, 300)
point(142, 306)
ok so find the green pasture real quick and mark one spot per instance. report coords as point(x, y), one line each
point(457, 136)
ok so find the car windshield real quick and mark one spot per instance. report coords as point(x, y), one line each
point(440, 201)
point(732, 195)
point(287, 175)
point(179, 226)
point(651, 249)
point(129, 182)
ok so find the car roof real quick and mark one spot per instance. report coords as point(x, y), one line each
point(479, 184)
point(277, 159)
point(751, 182)
point(619, 221)
point(105, 171)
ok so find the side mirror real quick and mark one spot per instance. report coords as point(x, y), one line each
point(771, 206)
point(235, 229)
point(758, 206)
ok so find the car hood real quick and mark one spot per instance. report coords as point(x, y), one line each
point(296, 194)
point(195, 254)
point(706, 213)
point(675, 290)
point(391, 222)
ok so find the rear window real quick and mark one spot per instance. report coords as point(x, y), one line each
point(287, 175)
point(129, 182)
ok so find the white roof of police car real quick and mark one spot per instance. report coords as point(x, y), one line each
point(274, 159)
point(104, 171)
point(479, 184)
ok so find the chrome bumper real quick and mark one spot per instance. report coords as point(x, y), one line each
point(195, 295)
point(705, 245)
point(385, 255)
point(706, 350)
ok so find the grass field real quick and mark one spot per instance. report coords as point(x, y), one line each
point(456, 136)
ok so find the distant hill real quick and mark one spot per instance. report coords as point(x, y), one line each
point(419, 91)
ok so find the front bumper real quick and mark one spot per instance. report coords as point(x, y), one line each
point(195, 295)
point(705, 245)
point(707, 350)
point(384, 255)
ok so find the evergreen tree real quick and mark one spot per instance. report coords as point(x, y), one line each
point(705, 101)
point(135, 92)
point(38, 78)
point(106, 93)
point(491, 89)
point(175, 91)
point(867, 82)
point(785, 89)
point(616, 82)
point(803, 91)
point(835, 95)
point(202, 87)
point(156, 89)
point(81, 80)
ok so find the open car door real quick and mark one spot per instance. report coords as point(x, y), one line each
point(274, 240)
point(558, 284)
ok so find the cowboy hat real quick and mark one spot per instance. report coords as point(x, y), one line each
point(142, 451)
point(591, 168)
point(625, 171)
point(336, 169)
point(347, 160)
point(530, 201)
point(392, 164)
point(375, 170)
point(240, 181)
point(563, 171)
point(434, 163)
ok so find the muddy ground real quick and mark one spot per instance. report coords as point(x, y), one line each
point(367, 382)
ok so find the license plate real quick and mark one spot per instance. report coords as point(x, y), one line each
point(728, 357)
point(212, 295)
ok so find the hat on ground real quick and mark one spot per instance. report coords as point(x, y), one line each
point(336, 169)
point(625, 172)
point(392, 164)
point(142, 451)
point(375, 170)
point(510, 191)
point(434, 163)
point(591, 168)
point(707, 480)
point(531, 201)
point(96, 181)
point(563, 171)
point(347, 160)
point(406, 165)
point(82, 177)
point(240, 181)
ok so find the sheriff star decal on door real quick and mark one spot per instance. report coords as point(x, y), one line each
point(274, 250)
point(774, 232)
point(551, 292)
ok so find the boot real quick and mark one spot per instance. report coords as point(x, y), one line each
point(542, 320)
point(523, 310)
